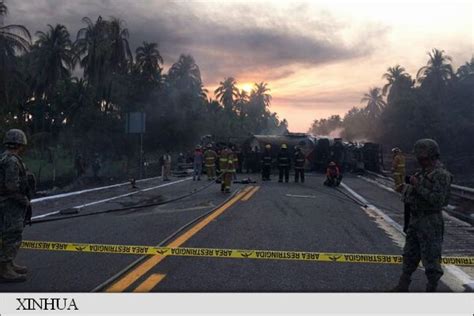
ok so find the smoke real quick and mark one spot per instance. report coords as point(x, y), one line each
point(337, 133)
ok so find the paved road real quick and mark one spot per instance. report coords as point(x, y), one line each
point(278, 216)
point(83, 272)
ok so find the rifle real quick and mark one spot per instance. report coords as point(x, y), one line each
point(30, 189)
point(407, 210)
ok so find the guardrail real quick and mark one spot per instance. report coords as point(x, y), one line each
point(462, 192)
point(458, 191)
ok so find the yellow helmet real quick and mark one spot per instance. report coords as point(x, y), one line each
point(284, 146)
point(268, 146)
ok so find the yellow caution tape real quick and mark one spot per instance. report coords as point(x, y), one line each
point(231, 253)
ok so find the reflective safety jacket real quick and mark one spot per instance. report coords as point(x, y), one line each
point(299, 160)
point(210, 157)
point(284, 159)
point(267, 159)
point(332, 172)
point(398, 164)
point(230, 165)
point(233, 156)
point(223, 159)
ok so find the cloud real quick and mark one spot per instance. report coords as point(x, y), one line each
point(262, 41)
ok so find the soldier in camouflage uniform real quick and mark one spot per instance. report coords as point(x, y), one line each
point(425, 195)
point(15, 208)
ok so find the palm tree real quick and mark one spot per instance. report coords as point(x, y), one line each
point(53, 59)
point(120, 58)
point(227, 92)
point(258, 106)
point(375, 102)
point(185, 74)
point(466, 70)
point(91, 49)
point(241, 101)
point(14, 39)
point(242, 96)
point(149, 61)
point(399, 83)
point(261, 95)
point(437, 72)
point(393, 75)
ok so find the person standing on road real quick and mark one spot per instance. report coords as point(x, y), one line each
point(16, 186)
point(426, 195)
point(300, 160)
point(235, 160)
point(96, 165)
point(224, 167)
point(229, 171)
point(79, 165)
point(398, 168)
point(210, 157)
point(284, 163)
point(166, 166)
point(197, 163)
point(266, 163)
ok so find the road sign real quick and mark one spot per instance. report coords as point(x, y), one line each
point(135, 123)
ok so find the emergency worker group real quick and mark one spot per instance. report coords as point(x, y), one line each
point(424, 194)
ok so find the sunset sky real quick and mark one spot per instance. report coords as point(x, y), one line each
point(318, 57)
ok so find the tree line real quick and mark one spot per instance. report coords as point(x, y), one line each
point(75, 92)
point(437, 103)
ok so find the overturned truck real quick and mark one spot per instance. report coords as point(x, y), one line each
point(319, 151)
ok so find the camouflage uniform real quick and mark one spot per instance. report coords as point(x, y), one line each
point(424, 236)
point(15, 207)
point(13, 204)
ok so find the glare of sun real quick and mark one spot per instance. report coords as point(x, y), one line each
point(247, 87)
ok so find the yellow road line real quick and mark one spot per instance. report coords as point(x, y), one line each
point(123, 283)
point(249, 195)
point(150, 283)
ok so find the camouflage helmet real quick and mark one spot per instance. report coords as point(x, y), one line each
point(15, 137)
point(426, 148)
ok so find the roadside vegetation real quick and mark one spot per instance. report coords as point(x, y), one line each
point(71, 94)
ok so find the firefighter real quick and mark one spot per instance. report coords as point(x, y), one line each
point(284, 163)
point(333, 175)
point(266, 163)
point(226, 166)
point(300, 159)
point(235, 160)
point(398, 168)
point(210, 157)
point(230, 170)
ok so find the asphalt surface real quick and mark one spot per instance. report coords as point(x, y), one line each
point(279, 216)
point(76, 272)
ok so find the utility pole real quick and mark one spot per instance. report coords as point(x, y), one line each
point(141, 155)
point(135, 124)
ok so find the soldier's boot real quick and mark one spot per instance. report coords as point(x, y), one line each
point(431, 286)
point(403, 284)
point(19, 269)
point(7, 274)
